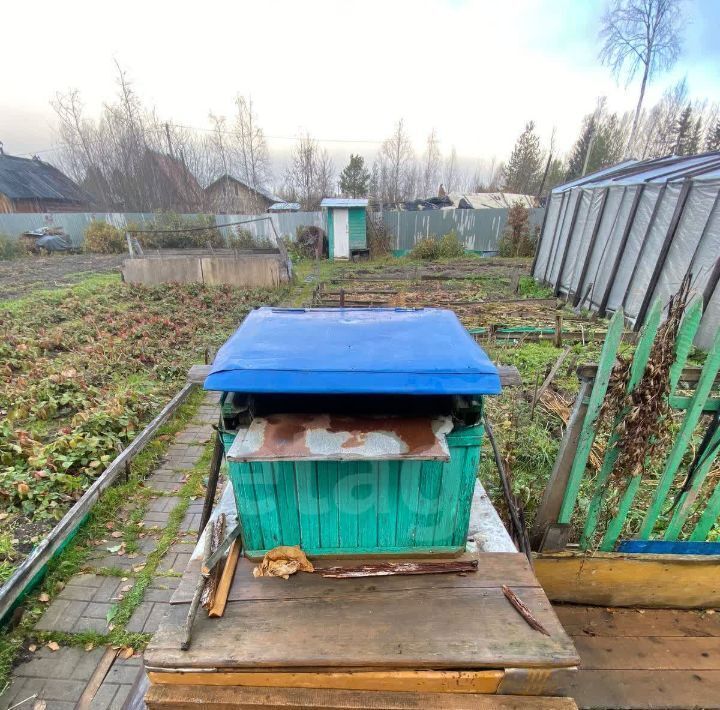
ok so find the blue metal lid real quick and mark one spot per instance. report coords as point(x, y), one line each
point(353, 351)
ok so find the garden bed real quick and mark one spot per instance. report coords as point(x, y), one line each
point(83, 370)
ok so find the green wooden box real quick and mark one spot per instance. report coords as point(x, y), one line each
point(359, 507)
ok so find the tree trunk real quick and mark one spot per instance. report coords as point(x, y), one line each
point(638, 108)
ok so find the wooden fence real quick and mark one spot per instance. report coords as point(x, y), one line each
point(686, 518)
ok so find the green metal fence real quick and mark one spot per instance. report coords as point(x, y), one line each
point(669, 512)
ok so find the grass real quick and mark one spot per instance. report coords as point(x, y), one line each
point(72, 559)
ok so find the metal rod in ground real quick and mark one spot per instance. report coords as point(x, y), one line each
point(518, 528)
point(213, 477)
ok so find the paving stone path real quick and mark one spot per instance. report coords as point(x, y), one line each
point(59, 678)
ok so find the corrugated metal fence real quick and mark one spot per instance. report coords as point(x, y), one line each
point(480, 230)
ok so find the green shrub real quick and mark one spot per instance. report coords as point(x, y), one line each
point(430, 248)
point(10, 248)
point(103, 238)
point(170, 230)
point(451, 247)
point(241, 239)
point(427, 248)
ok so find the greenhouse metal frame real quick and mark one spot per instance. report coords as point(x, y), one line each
point(626, 235)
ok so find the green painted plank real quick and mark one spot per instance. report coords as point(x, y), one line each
point(328, 515)
point(709, 516)
point(428, 494)
point(448, 496)
point(597, 396)
point(366, 498)
point(266, 496)
point(408, 503)
point(685, 503)
point(330, 223)
point(683, 345)
point(694, 412)
point(388, 497)
point(357, 228)
point(306, 486)
point(287, 506)
point(246, 504)
point(347, 504)
point(637, 368)
point(467, 487)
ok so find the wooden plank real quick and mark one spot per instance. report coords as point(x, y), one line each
point(612, 622)
point(688, 375)
point(468, 628)
point(408, 681)
point(96, 679)
point(676, 690)
point(494, 570)
point(650, 653)
point(221, 594)
point(643, 580)
point(188, 697)
point(557, 483)
point(509, 375)
point(536, 681)
point(33, 566)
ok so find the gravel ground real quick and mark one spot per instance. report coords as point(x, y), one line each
point(19, 277)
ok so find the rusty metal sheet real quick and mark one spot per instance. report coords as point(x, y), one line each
point(327, 437)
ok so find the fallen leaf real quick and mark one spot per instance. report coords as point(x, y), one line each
point(123, 579)
point(138, 568)
point(54, 646)
point(32, 648)
point(126, 588)
point(117, 533)
point(44, 597)
point(89, 646)
point(4, 515)
point(114, 548)
point(111, 627)
point(39, 705)
point(126, 652)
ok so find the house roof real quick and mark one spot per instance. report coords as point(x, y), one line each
point(32, 179)
point(266, 194)
point(489, 200)
point(669, 168)
point(284, 207)
point(343, 202)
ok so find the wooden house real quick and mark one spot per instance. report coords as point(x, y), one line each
point(32, 185)
point(231, 195)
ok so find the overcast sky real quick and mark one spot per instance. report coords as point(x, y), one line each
point(344, 70)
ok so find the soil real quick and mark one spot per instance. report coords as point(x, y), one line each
point(20, 277)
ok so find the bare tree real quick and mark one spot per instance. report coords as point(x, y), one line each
point(430, 176)
point(311, 173)
point(452, 175)
point(251, 146)
point(397, 162)
point(640, 35)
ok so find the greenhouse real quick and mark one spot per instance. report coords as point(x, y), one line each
point(626, 235)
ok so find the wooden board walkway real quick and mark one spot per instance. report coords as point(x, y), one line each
point(652, 658)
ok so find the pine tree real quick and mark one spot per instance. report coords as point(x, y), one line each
point(712, 142)
point(584, 143)
point(355, 178)
point(523, 171)
point(683, 132)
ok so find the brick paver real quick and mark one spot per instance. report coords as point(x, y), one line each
point(59, 678)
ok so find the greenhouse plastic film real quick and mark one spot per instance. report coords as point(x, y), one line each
point(545, 243)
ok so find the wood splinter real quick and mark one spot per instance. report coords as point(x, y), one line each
point(522, 609)
point(383, 569)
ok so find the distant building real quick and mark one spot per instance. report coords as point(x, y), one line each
point(230, 195)
point(31, 185)
point(284, 207)
point(489, 200)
